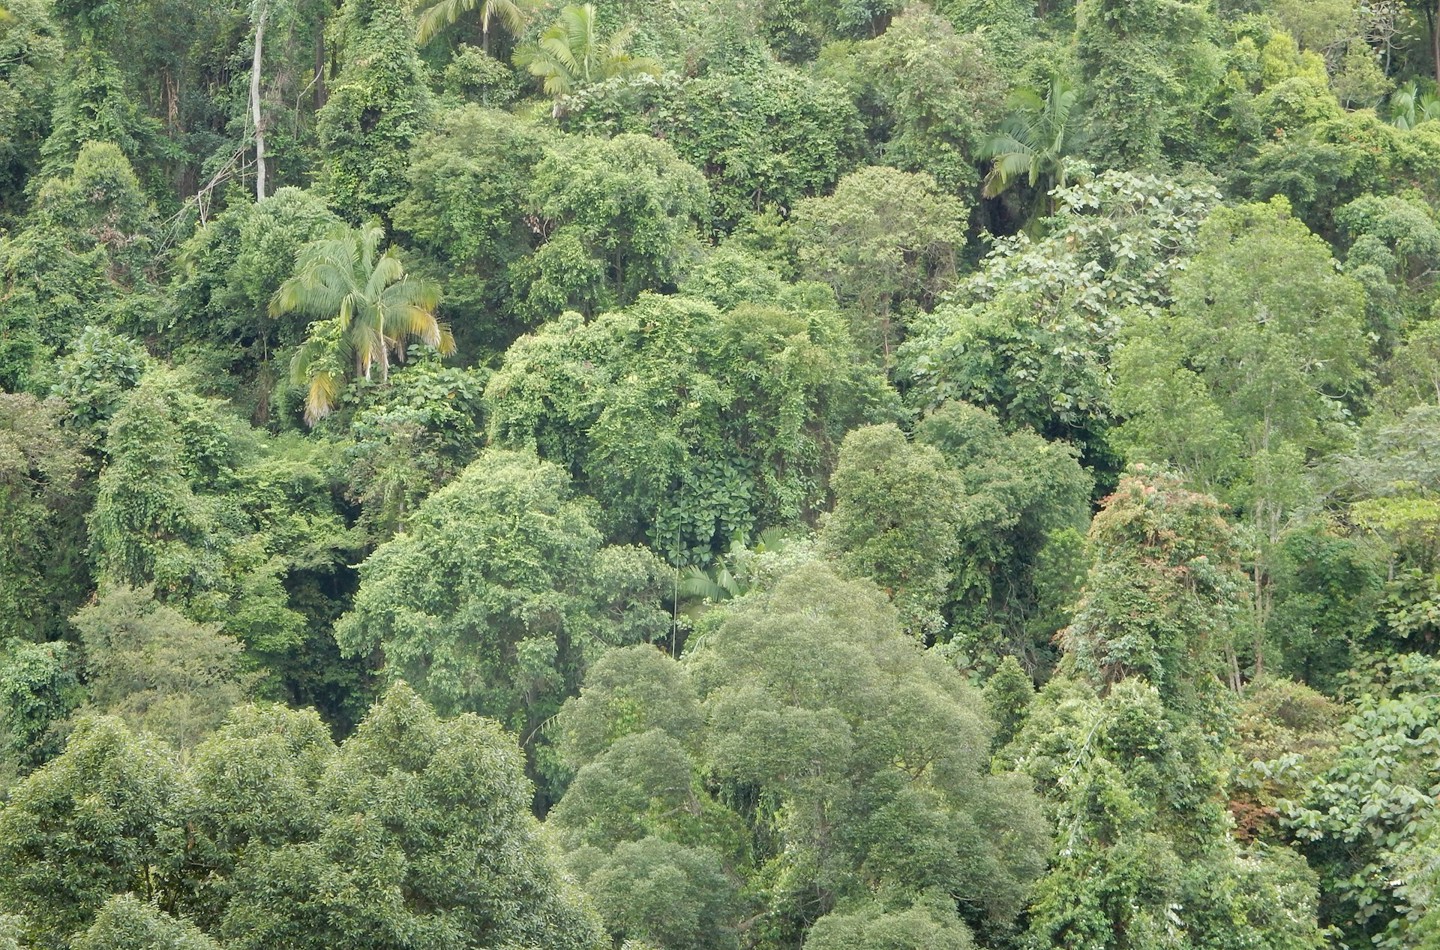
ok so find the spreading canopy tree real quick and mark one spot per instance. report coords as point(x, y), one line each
point(500, 593)
point(816, 753)
point(692, 427)
point(426, 840)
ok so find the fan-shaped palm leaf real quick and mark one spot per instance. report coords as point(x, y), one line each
point(1402, 106)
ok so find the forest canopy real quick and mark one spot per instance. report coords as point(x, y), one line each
point(719, 474)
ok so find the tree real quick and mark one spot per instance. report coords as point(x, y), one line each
point(94, 104)
point(809, 746)
point(260, 13)
point(1429, 13)
point(1364, 822)
point(443, 12)
point(571, 53)
point(161, 673)
point(636, 689)
point(1036, 142)
point(628, 205)
point(1030, 334)
point(500, 594)
point(1143, 848)
point(1389, 484)
point(469, 211)
point(1260, 356)
point(39, 689)
point(927, 93)
point(125, 923)
point(102, 818)
point(928, 923)
point(663, 894)
point(145, 523)
point(427, 841)
point(31, 52)
point(1025, 504)
point(1008, 693)
point(1163, 594)
point(378, 107)
point(410, 440)
point(1007, 27)
point(1264, 338)
point(12, 928)
point(254, 786)
point(95, 375)
point(151, 523)
point(42, 500)
point(368, 309)
point(85, 256)
point(469, 188)
point(286, 26)
point(897, 520)
point(1394, 247)
point(886, 240)
point(1146, 66)
point(765, 135)
point(691, 427)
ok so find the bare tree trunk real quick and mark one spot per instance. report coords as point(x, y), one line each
point(321, 66)
point(1434, 42)
point(255, 110)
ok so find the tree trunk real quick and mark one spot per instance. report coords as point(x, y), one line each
point(321, 65)
point(1435, 43)
point(256, 112)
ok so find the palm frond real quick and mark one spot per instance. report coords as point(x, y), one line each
point(445, 346)
point(1025, 99)
point(1427, 109)
point(508, 12)
point(559, 52)
point(388, 271)
point(698, 584)
point(368, 309)
point(439, 15)
point(320, 397)
point(1402, 106)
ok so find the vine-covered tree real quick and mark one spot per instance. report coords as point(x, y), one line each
point(378, 108)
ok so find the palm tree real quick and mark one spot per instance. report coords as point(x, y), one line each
point(729, 575)
point(571, 53)
point(443, 13)
point(1036, 141)
point(368, 309)
point(1409, 107)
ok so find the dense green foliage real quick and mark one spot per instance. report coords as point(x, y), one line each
point(748, 475)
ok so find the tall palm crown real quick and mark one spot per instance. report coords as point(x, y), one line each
point(368, 309)
point(1036, 140)
point(444, 13)
point(571, 53)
